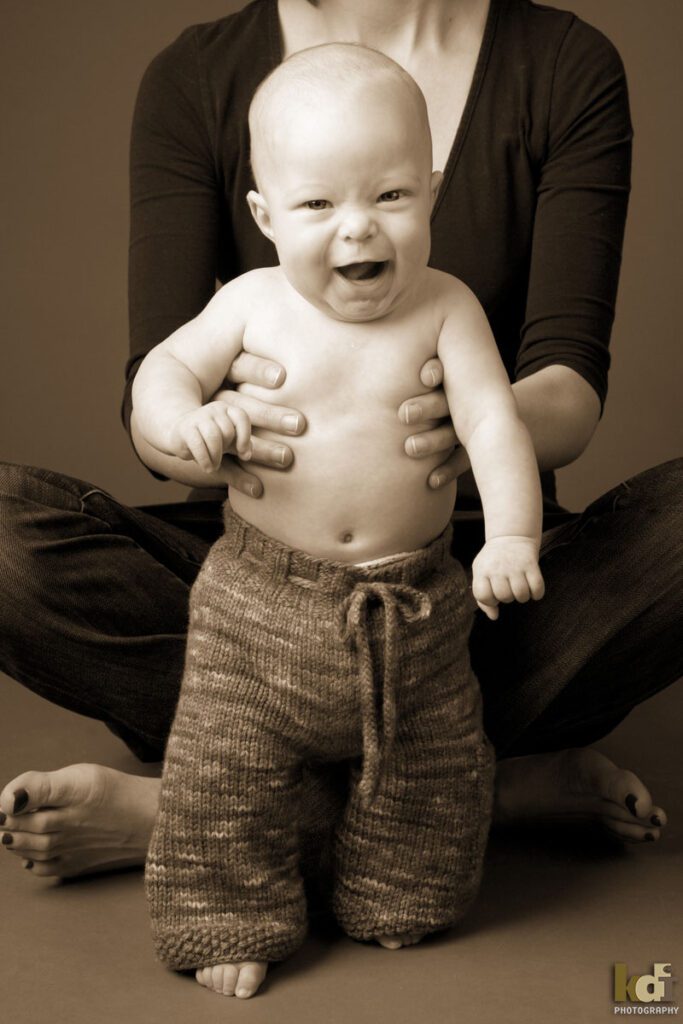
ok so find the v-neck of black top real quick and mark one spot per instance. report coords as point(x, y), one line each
point(275, 44)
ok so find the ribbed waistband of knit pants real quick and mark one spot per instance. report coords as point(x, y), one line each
point(292, 658)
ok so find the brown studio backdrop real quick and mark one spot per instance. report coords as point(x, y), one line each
point(70, 70)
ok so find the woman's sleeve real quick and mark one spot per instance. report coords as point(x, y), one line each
point(583, 192)
point(174, 204)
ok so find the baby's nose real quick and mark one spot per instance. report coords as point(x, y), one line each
point(357, 225)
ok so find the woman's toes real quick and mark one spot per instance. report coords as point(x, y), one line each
point(631, 832)
point(628, 791)
point(29, 843)
point(44, 869)
point(250, 978)
point(658, 817)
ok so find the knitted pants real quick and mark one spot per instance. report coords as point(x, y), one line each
point(292, 659)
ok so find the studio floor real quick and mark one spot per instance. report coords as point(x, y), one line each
point(556, 911)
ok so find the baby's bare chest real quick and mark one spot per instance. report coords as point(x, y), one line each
point(338, 369)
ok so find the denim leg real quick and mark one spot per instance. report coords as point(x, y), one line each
point(93, 602)
point(566, 670)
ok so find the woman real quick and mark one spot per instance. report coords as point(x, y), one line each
point(529, 114)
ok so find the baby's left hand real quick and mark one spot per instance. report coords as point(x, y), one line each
point(506, 569)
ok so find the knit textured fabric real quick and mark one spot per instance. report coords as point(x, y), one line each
point(291, 660)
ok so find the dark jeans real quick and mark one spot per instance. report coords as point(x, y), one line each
point(94, 599)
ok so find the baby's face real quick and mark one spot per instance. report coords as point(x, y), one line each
point(348, 191)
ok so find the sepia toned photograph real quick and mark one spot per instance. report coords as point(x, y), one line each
point(341, 511)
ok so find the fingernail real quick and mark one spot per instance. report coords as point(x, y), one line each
point(7, 839)
point(435, 377)
point(656, 820)
point(413, 413)
point(649, 838)
point(418, 445)
point(254, 490)
point(28, 865)
point(630, 802)
point(436, 480)
point(291, 423)
point(279, 454)
point(3, 818)
point(273, 375)
point(20, 800)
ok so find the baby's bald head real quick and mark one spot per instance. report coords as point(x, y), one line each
point(342, 79)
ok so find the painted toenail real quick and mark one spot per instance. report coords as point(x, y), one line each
point(656, 821)
point(20, 800)
point(7, 839)
point(630, 802)
point(3, 818)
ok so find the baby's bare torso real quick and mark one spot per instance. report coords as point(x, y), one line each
point(352, 493)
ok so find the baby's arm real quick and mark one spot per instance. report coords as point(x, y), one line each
point(487, 423)
point(178, 376)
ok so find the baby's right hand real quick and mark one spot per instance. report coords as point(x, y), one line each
point(205, 434)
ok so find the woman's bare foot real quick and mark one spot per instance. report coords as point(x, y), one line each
point(242, 980)
point(79, 819)
point(397, 941)
point(576, 785)
point(87, 818)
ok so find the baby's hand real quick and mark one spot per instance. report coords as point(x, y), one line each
point(506, 569)
point(205, 434)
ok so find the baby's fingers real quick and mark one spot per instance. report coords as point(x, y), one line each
point(201, 443)
point(242, 430)
point(536, 583)
point(484, 596)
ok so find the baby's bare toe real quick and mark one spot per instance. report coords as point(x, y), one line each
point(242, 979)
point(250, 979)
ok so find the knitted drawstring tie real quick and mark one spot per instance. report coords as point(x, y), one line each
point(379, 717)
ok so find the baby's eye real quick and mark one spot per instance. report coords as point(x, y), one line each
point(391, 196)
point(318, 204)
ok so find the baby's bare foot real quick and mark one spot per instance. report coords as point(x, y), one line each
point(576, 785)
point(242, 980)
point(78, 820)
point(397, 941)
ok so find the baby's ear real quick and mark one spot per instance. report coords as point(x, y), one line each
point(435, 184)
point(261, 213)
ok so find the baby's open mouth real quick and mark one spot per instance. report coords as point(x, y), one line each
point(362, 271)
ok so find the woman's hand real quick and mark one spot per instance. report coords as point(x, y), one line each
point(279, 419)
point(438, 435)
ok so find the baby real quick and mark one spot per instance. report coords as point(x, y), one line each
point(330, 622)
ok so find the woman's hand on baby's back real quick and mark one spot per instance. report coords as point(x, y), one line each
point(430, 414)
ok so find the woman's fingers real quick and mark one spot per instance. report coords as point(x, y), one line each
point(242, 481)
point(431, 373)
point(250, 369)
point(429, 442)
point(455, 465)
point(422, 408)
point(278, 418)
point(270, 453)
